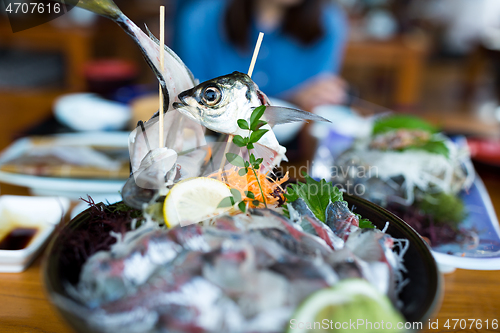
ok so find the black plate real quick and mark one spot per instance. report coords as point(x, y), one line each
point(421, 296)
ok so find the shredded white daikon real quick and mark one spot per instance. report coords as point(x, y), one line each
point(428, 172)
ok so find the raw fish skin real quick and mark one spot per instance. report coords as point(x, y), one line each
point(230, 275)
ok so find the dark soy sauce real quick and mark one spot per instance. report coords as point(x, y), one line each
point(17, 239)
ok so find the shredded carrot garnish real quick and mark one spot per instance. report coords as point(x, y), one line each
point(273, 192)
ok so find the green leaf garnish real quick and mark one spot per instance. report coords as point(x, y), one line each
point(226, 202)
point(255, 117)
point(365, 223)
point(253, 163)
point(250, 194)
point(317, 195)
point(243, 124)
point(434, 146)
point(395, 122)
point(236, 194)
point(256, 135)
point(235, 160)
point(239, 141)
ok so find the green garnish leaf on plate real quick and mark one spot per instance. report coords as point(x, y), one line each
point(435, 146)
point(365, 223)
point(316, 194)
point(431, 142)
point(395, 122)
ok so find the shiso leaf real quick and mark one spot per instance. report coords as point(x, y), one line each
point(395, 122)
point(316, 194)
point(435, 144)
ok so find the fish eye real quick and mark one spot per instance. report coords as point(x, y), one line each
point(211, 96)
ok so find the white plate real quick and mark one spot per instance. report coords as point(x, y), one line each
point(481, 216)
point(35, 212)
point(90, 112)
point(72, 188)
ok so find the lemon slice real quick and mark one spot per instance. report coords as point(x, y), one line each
point(352, 305)
point(194, 200)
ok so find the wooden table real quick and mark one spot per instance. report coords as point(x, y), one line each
point(401, 59)
point(467, 294)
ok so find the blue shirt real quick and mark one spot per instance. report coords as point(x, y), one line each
point(283, 62)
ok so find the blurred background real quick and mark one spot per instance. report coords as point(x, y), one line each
point(438, 59)
point(81, 74)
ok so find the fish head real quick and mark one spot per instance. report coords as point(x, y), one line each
point(218, 103)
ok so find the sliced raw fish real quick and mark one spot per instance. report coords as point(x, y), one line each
point(226, 276)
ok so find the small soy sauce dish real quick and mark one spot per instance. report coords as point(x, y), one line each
point(26, 223)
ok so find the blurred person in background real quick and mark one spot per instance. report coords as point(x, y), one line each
point(300, 56)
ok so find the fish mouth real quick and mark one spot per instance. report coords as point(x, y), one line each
point(178, 105)
point(185, 100)
point(184, 97)
point(186, 109)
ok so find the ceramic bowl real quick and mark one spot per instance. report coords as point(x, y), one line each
point(421, 297)
point(41, 214)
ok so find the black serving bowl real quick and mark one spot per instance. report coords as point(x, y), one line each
point(421, 297)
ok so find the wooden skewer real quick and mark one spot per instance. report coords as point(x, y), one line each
point(250, 72)
point(161, 142)
point(255, 53)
